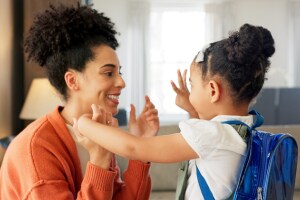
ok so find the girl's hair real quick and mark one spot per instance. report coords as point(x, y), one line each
point(242, 60)
point(63, 37)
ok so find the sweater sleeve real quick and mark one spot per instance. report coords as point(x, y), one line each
point(97, 183)
point(137, 182)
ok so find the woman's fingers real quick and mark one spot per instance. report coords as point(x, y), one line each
point(109, 119)
point(101, 116)
point(132, 115)
point(96, 113)
point(115, 122)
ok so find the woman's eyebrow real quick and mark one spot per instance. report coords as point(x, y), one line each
point(108, 65)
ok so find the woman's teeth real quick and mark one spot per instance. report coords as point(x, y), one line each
point(113, 97)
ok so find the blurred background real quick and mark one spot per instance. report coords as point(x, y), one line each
point(157, 37)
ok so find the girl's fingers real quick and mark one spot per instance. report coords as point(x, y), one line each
point(180, 80)
point(184, 77)
point(175, 88)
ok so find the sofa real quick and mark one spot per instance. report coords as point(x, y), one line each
point(164, 176)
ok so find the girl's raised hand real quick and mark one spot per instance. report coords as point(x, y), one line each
point(182, 94)
point(147, 123)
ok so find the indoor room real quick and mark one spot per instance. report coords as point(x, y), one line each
point(156, 38)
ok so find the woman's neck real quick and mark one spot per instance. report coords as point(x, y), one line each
point(70, 111)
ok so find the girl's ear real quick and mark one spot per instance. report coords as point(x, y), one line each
point(215, 91)
point(71, 78)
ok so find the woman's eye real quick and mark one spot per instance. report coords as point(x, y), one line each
point(109, 73)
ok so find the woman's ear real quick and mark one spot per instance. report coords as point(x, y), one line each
point(215, 91)
point(71, 78)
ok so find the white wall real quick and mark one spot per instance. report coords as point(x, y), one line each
point(272, 14)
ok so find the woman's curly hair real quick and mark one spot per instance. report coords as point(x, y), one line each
point(242, 60)
point(63, 37)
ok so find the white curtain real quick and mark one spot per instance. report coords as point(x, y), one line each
point(138, 49)
point(294, 43)
point(219, 20)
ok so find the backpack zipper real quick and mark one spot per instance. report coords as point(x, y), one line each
point(262, 167)
point(259, 195)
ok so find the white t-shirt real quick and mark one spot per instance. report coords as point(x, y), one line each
point(220, 149)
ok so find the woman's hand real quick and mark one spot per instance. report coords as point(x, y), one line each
point(98, 155)
point(182, 94)
point(147, 124)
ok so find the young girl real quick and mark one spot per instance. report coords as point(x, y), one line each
point(224, 79)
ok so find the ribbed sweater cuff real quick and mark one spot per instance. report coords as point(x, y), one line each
point(138, 169)
point(99, 178)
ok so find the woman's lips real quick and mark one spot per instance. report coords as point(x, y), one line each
point(114, 98)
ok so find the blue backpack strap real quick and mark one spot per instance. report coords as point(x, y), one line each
point(207, 194)
point(258, 121)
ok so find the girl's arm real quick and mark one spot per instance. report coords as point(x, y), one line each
point(163, 149)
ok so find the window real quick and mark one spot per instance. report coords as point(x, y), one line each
point(176, 35)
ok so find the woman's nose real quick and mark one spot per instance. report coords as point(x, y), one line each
point(120, 82)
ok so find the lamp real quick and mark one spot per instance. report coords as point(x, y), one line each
point(41, 99)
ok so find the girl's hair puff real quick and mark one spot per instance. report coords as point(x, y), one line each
point(242, 60)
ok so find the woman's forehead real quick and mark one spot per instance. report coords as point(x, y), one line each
point(105, 54)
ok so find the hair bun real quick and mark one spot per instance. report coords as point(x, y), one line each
point(248, 44)
point(268, 42)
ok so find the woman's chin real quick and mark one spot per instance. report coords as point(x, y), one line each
point(113, 111)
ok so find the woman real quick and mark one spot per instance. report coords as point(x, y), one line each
point(77, 46)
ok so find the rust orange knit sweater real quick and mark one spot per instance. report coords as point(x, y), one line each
point(42, 163)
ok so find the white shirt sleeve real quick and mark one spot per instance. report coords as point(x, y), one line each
point(204, 137)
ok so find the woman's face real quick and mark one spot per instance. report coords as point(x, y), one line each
point(101, 82)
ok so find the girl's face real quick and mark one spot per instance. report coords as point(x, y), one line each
point(101, 81)
point(200, 93)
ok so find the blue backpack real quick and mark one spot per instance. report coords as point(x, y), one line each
point(269, 169)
